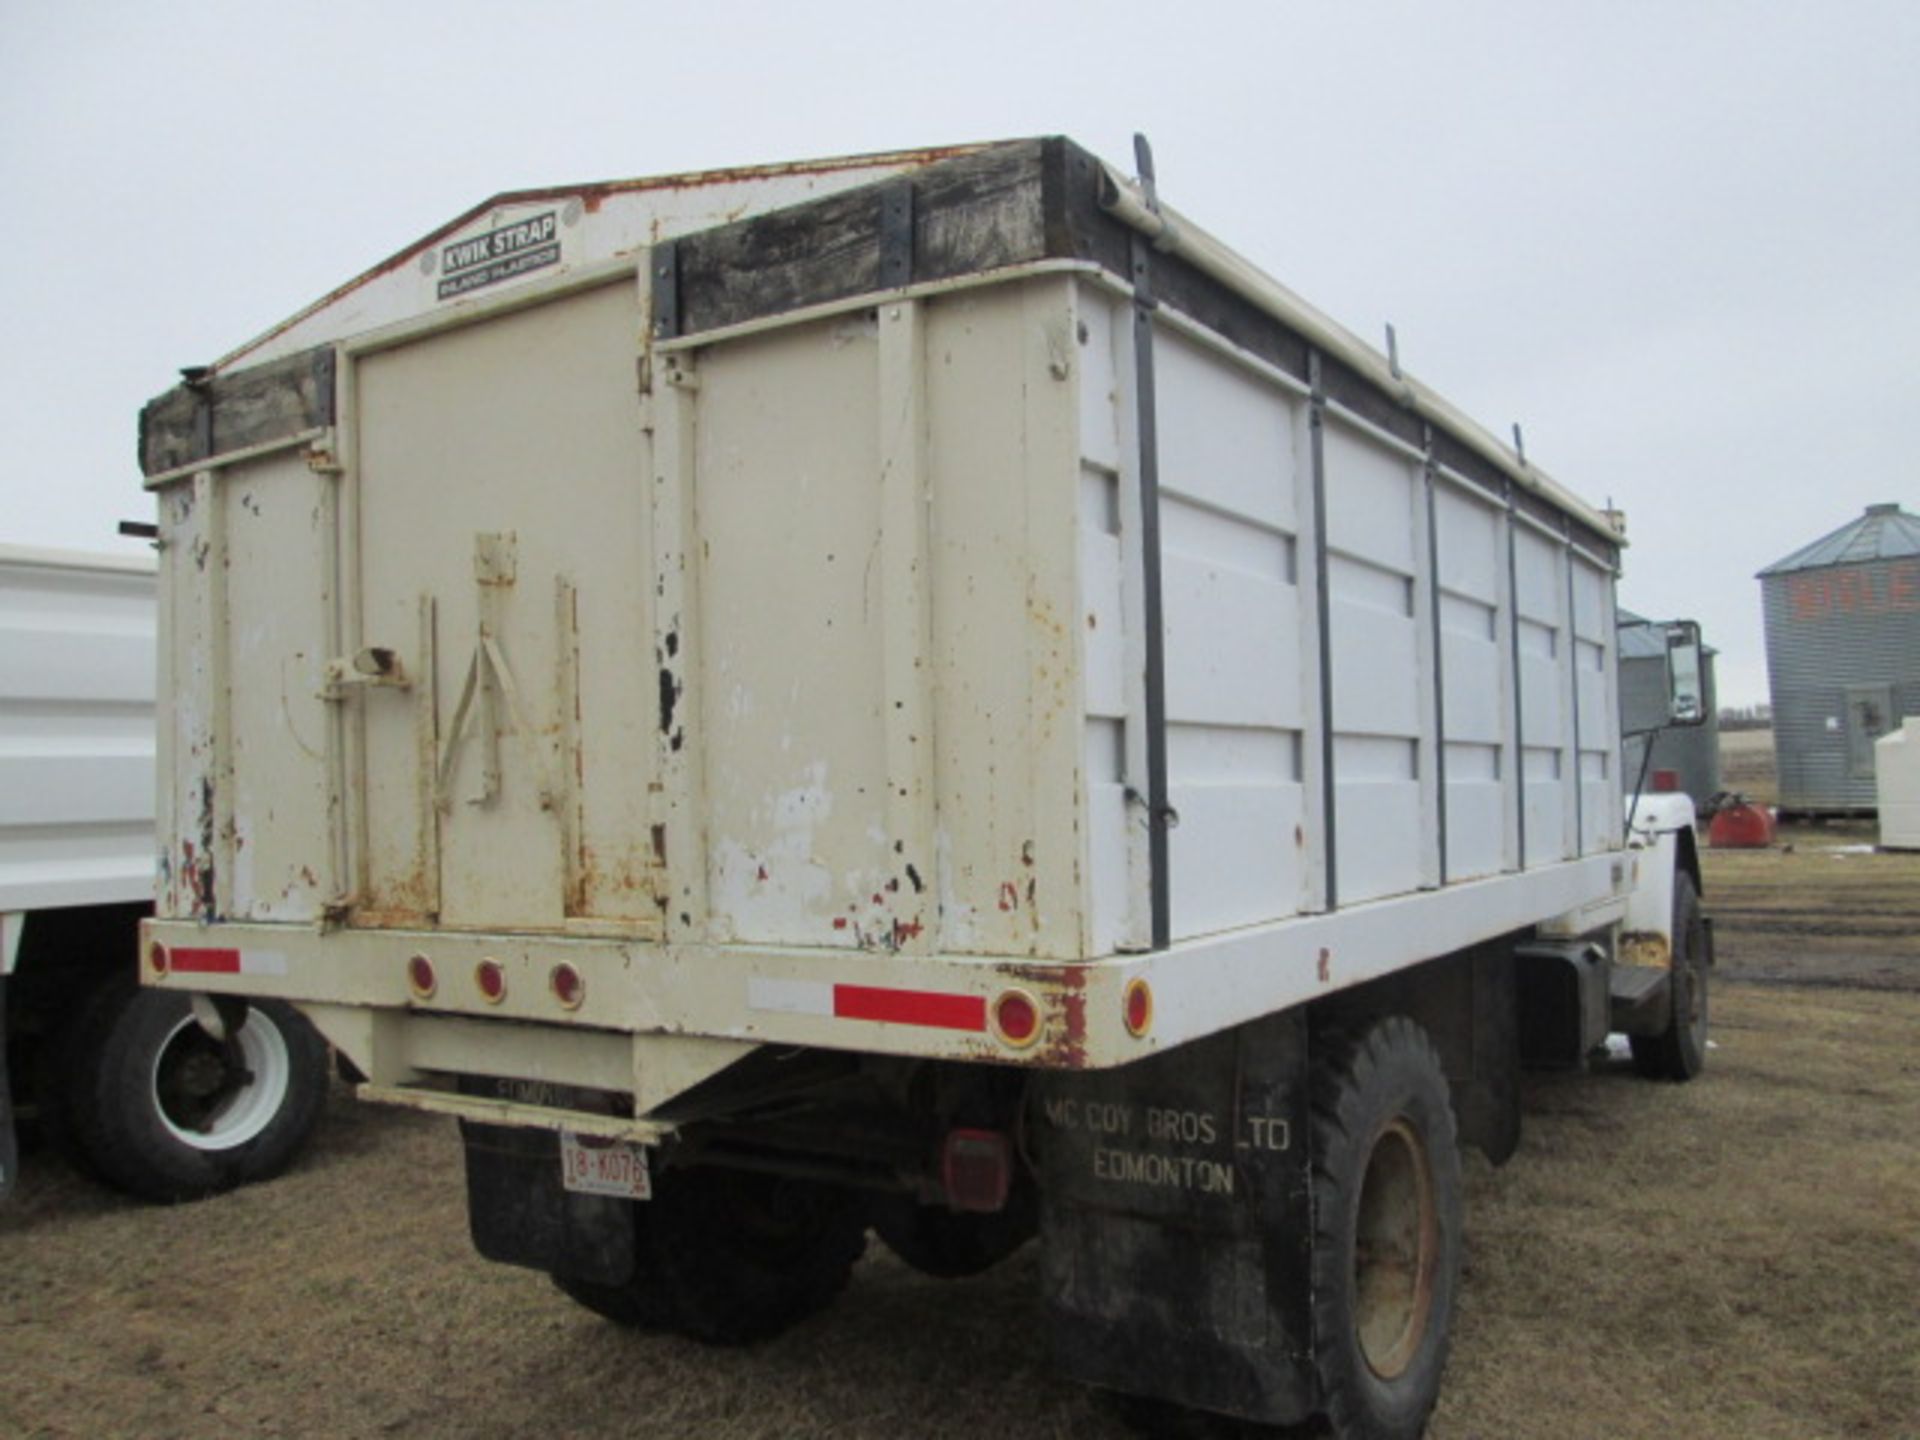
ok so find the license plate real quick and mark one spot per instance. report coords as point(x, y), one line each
point(590, 1166)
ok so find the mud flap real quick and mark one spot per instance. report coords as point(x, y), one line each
point(1177, 1224)
point(519, 1213)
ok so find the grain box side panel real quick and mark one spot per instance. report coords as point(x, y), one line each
point(505, 557)
point(1005, 475)
point(1597, 716)
point(1230, 557)
point(1475, 681)
point(1119, 902)
point(185, 752)
point(788, 499)
point(276, 516)
point(1375, 501)
point(1542, 641)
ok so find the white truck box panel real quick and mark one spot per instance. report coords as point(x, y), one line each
point(76, 728)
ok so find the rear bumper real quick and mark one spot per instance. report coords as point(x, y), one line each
point(640, 998)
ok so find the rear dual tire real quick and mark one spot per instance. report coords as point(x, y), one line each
point(954, 1244)
point(727, 1257)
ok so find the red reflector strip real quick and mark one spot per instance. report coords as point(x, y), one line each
point(910, 1007)
point(203, 962)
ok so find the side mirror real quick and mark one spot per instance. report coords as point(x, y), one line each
point(1686, 675)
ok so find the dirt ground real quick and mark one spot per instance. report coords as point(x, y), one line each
point(1823, 906)
point(1738, 1257)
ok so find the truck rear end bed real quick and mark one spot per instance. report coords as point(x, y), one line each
point(950, 624)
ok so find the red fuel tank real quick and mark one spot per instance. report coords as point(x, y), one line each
point(1740, 827)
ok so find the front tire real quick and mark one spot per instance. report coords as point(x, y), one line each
point(163, 1111)
point(1387, 1226)
point(1679, 1052)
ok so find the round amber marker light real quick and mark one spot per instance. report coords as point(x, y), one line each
point(1137, 1008)
point(1016, 1017)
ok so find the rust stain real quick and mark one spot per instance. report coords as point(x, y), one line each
point(1325, 968)
point(1646, 948)
point(1063, 1046)
point(389, 917)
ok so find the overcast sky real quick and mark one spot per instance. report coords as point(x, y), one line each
point(1679, 242)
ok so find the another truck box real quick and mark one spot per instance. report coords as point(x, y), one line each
point(139, 1094)
point(919, 692)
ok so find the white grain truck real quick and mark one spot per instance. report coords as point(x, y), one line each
point(917, 692)
point(136, 1092)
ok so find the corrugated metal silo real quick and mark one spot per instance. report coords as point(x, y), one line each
point(1843, 657)
point(1691, 750)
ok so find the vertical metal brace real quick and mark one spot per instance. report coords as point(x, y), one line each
point(1519, 686)
point(1430, 475)
point(427, 744)
point(1323, 592)
point(325, 368)
point(666, 290)
point(896, 235)
point(202, 425)
point(1158, 808)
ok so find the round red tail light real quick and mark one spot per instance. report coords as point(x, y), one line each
point(157, 957)
point(420, 977)
point(491, 977)
point(567, 985)
point(1016, 1017)
point(1137, 1008)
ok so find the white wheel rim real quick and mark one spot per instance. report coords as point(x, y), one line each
point(249, 1110)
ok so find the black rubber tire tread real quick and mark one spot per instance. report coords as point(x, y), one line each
point(1362, 1084)
point(641, 1304)
point(1679, 1052)
point(952, 1245)
point(727, 1257)
point(110, 1115)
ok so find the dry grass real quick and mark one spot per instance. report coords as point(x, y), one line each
point(1734, 1258)
point(1746, 765)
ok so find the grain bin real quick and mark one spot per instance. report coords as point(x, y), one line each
point(1691, 751)
point(1843, 657)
